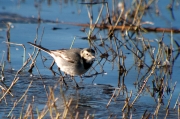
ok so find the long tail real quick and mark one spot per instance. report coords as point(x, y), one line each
point(40, 47)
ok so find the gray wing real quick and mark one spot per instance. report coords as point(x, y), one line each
point(71, 55)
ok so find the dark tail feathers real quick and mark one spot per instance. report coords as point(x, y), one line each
point(39, 47)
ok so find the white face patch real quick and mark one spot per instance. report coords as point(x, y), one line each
point(89, 56)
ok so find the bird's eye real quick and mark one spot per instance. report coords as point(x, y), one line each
point(87, 54)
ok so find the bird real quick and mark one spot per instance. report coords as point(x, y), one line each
point(75, 61)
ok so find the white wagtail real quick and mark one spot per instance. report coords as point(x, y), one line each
point(71, 61)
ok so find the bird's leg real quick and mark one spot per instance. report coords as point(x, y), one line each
point(81, 78)
point(62, 79)
point(52, 65)
point(77, 86)
point(59, 69)
point(65, 82)
point(51, 68)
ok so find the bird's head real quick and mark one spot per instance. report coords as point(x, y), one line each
point(88, 54)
